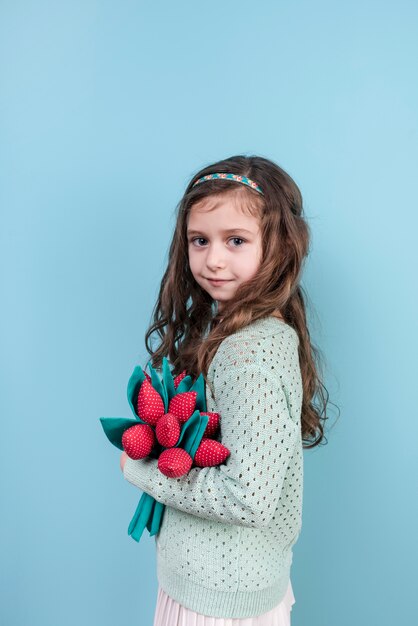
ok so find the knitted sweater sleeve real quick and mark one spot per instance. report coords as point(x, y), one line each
point(257, 428)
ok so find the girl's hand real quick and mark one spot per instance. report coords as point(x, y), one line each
point(123, 458)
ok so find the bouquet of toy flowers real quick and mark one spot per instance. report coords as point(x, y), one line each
point(171, 424)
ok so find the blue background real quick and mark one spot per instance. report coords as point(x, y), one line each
point(107, 110)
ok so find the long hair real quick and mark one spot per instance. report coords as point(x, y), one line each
point(185, 316)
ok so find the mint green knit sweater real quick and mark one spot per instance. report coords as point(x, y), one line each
point(224, 548)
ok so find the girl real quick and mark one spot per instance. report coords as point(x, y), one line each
point(231, 306)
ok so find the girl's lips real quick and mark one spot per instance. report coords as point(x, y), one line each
point(217, 281)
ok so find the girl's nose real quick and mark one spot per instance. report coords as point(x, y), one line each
point(215, 257)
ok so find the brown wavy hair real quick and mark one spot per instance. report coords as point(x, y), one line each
point(185, 315)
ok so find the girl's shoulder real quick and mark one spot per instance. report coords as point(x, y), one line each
point(260, 343)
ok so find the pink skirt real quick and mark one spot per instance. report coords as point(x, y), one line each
point(168, 612)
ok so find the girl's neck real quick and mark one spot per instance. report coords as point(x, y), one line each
point(274, 314)
point(278, 315)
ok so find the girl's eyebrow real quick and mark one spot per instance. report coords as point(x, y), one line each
point(225, 232)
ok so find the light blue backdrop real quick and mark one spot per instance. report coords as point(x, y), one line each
point(107, 109)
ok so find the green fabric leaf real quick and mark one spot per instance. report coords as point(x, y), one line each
point(199, 387)
point(184, 384)
point(114, 427)
point(168, 381)
point(192, 432)
point(134, 385)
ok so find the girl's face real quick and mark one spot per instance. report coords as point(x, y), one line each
point(223, 243)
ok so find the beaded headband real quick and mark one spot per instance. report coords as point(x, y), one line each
point(239, 179)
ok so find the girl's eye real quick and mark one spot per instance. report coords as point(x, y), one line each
point(239, 239)
point(203, 239)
